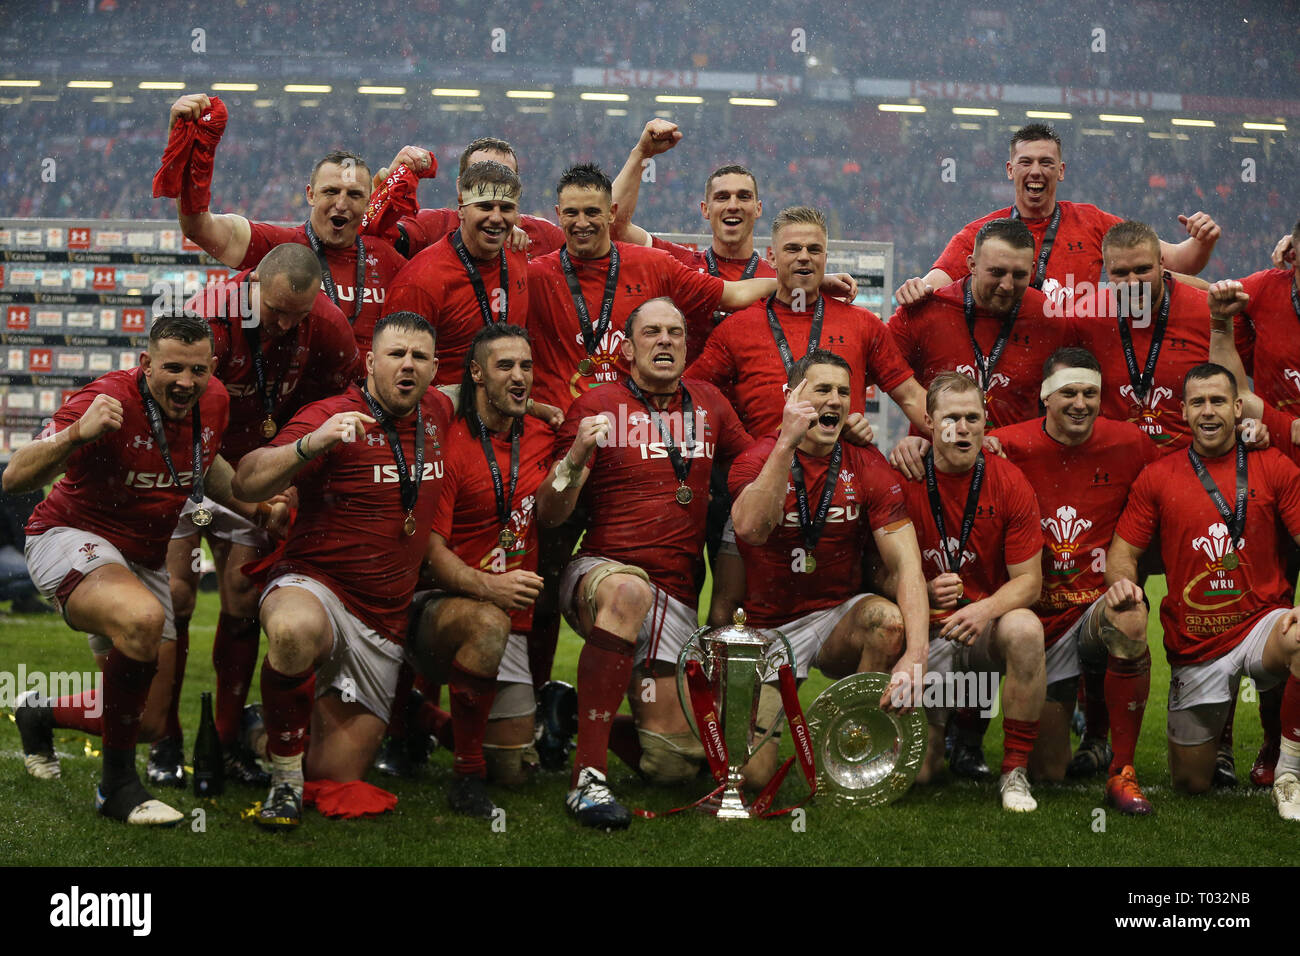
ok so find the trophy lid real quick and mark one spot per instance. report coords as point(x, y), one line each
point(736, 633)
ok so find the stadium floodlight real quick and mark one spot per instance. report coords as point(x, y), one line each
point(1280, 127)
point(1047, 114)
point(263, 104)
point(1243, 139)
point(20, 82)
point(750, 101)
point(444, 91)
point(235, 87)
point(1097, 132)
point(673, 98)
point(382, 90)
point(899, 108)
point(1183, 121)
point(1119, 118)
point(159, 85)
point(615, 112)
point(530, 94)
point(308, 88)
point(973, 111)
point(90, 84)
point(605, 97)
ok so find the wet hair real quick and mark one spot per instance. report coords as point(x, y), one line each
point(1033, 132)
point(294, 261)
point(1071, 356)
point(403, 322)
point(798, 215)
point(177, 325)
point(585, 176)
point(488, 173)
point(1011, 231)
point(799, 371)
point(486, 144)
point(731, 169)
point(1209, 370)
point(465, 401)
point(342, 157)
point(957, 382)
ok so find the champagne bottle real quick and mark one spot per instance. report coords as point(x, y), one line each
point(209, 763)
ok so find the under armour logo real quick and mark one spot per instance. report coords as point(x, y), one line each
point(142, 441)
point(374, 439)
point(594, 714)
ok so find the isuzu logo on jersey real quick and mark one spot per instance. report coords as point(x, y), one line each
point(941, 561)
point(388, 475)
point(369, 294)
point(1145, 414)
point(1065, 528)
point(835, 515)
point(631, 427)
point(157, 479)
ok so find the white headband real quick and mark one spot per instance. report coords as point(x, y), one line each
point(489, 192)
point(1068, 376)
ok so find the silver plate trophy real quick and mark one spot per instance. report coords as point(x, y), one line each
point(737, 660)
point(865, 756)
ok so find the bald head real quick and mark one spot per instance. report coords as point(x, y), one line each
point(296, 262)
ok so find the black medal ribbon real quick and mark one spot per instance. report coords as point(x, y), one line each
point(968, 515)
point(810, 524)
point(1049, 239)
point(986, 364)
point(505, 502)
point(327, 280)
point(1295, 300)
point(591, 337)
point(410, 483)
point(681, 466)
point(1235, 518)
point(476, 280)
point(711, 263)
point(155, 416)
point(782, 346)
point(269, 397)
point(1141, 382)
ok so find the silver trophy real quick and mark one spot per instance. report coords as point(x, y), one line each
point(737, 661)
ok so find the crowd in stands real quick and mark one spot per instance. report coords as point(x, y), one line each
point(1246, 48)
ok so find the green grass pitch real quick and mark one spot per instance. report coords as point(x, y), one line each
point(954, 823)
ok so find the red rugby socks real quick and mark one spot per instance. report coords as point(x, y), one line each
point(234, 658)
point(604, 668)
point(1128, 682)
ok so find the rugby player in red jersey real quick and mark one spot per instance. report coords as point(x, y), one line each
point(133, 447)
point(337, 191)
point(731, 207)
point(415, 233)
point(638, 451)
point(469, 279)
point(750, 356)
point(990, 325)
point(1219, 511)
point(367, 464)
point(469, 632)
point(806, 505)
point(1270, 315)
point(1067, 235)
point(1227, 300)
point(1081, 467)
point(1153, 330)
point(295, 348)
point(976, 520)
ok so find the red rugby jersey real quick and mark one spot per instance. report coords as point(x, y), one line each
point(1076, 252)
point(467, 507)
point(1081, 491)
point(1005, 530)
point(430, 225)
point(316, 359)
point(382, 265)
point(1209, 608)
point(348, 534)
point(634, 516)
point(435, 285)
point(1279, 432)
point(118, 486)
point(1270, 317)
point(1186, 344)
point(553, 321)
point(699, 326)
point(741, 355)
point(868, 495)
point(933, 337)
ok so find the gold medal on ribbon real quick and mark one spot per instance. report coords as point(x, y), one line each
point(585, 366)
point(202, 517)
point(684, 495)
point(507, 538)
point(409, 524)
point(268, 427)
point(809, 564)
point(1230, 561)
